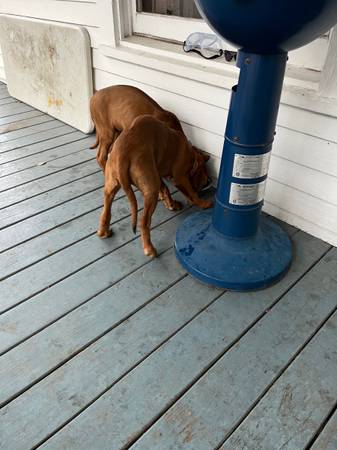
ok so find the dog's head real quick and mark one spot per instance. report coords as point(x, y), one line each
point(198, 176)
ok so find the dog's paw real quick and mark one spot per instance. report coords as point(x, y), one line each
point(175, 206)
point(151, 252)
point(103, 234)
point(205, 204)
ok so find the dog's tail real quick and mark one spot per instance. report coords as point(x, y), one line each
point(124, 179)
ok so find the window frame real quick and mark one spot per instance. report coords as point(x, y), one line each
point(303, 88)
point(176, 29)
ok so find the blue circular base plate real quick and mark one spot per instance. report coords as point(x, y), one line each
point(234, 264)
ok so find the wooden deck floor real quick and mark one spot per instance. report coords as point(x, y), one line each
point(102, 348)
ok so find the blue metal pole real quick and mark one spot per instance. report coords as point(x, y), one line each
point(232, 246)
point(248, 142)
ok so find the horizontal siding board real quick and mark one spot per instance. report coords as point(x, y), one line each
point(319, 125)
point(165, 375)
point(303, 205)
point(70, 12)
point(312, 182)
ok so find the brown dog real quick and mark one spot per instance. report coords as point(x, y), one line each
point(142, 156)
point(114, 109)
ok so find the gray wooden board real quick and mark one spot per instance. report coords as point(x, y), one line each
point(294, 408)
point(327, 440)
point(43, 246)
point(40, 147)
point(7, 101)
point(25, 123)
point(35, 138)
point(40, 172)
point(16, 108)
point(151, 325)
point(32, 280)
point(20, 116)
point(28, 354)
point(218, 401)
point(37, 187)
point(49, 305)
point(27, 131)
point(46, 156)
point(124, 411)
point(4, 94)
point(75, 384)
point(32, 206)
point(48, 220)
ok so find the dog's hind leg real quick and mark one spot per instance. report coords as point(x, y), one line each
point(106, 142)
point(165, 197)
point(110, 190)
point(150, 203)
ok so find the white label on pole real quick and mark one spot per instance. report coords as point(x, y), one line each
point(247, 194)
point(251, 166)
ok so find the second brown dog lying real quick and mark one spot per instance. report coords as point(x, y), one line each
point(141, 157)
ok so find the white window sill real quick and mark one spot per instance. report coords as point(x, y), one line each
point(301, 87)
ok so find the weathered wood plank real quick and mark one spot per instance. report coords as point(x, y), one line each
point(37, 187)
point(48, 220)
point(46, 156)
point(291, 412)
point(157, 382)
point(16, 108)
point(38, 173)
point(248, 370)
point(4, 94)
point(7, 101)
point(327, 440)
point(32, 280)
point(40, 147)
point(43, 246)
point(35, 138)
point(32, 206)
point(27, 131)
point(10, 361)
point(25, 123)
point(20, 116)
point(161, 318)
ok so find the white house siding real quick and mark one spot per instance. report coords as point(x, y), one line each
point(302, 187)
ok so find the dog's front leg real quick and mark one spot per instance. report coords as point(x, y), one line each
point(184, 185)
point(165, 197)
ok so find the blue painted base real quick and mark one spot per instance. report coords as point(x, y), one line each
point(235, 264)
